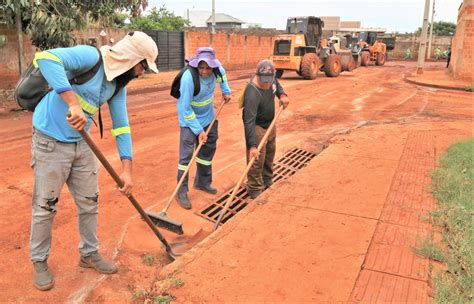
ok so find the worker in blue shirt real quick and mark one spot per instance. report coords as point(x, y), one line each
point(60, 155)
point(195, 113)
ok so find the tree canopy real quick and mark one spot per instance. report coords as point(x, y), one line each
point(51, 22)
point(159, 19)
point(441, 28)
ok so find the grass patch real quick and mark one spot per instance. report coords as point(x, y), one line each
point(470, 88)
point(431, 250)
point(163, 299)
point(453, 184)
point(149, 259)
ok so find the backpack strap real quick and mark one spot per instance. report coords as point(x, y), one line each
point(217, 72)
point(197, 84)
point(101, 125)
point(88, 75)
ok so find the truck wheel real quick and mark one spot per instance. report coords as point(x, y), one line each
point(380, 59)
point(348, 63)
point(365, 58)
point(332, 66)
point(279, 73)
point(309, 66)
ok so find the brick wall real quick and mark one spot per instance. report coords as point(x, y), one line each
point(413, 42)
point(462, 55)
point(235, 51)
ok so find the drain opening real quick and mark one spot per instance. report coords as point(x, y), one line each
point(286, 166)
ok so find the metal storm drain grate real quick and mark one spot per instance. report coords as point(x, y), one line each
point(286, 166)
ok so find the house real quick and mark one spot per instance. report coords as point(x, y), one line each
point(224, 21)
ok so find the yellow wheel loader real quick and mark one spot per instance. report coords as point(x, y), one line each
point(304, 50)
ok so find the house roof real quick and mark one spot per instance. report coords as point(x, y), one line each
point(197, 18)
point(224, 18)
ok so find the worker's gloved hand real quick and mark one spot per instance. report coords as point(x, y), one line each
point(226, 98)
point(127, 183)
point(76, 117)
point(285, 101)
point(202, 137)
point(253, 153)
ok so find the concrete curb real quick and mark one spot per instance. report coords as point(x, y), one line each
point(438, 86)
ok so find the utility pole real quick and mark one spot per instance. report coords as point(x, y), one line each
point(424, 32)
point(428, 55)
point(20, 36)
point(213, 17)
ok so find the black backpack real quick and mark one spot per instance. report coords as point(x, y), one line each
point(175, 85)
point(32, 86)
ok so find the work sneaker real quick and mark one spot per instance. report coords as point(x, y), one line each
point(209, 188)
point(42, 278)
point(183, 200)
point(98, 263)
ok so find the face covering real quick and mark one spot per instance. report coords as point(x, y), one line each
point(125, 78)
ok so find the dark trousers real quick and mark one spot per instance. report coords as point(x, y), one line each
point(188, 141)
point(260, 175)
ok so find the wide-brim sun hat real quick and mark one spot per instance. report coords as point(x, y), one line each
point(207, 55)
point(128, 52)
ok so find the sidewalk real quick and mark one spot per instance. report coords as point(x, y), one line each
point(340, 230)
point(440, 78)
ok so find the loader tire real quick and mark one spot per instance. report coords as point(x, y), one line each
point(348, 64)
point(358, 60)
point(380, 59)
point(332, 66)
point(365, 58)
point(309, 66)
point(279, 73)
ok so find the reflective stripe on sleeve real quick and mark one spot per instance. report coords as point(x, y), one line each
point(220, 80)
point(119, 131)
point(182, 167)
point(190, 117)
point(45, 55)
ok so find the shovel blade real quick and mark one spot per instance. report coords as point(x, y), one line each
point(183, 243)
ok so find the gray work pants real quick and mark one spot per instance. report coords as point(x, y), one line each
point(187, 143)
point(55, 163)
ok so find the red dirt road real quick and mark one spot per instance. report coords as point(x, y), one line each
point(351, 198)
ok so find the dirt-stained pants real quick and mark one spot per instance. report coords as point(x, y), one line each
point(187, 143)
point(260, 175)
point(55, 163)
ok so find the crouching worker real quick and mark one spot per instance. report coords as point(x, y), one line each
point(258, 112)
point(61, 156)
point(195, 113)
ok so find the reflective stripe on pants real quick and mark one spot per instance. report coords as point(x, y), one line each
point(188, 141)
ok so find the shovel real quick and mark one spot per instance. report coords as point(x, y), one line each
point(132, 199)
point(161, 219)
point(249, 165)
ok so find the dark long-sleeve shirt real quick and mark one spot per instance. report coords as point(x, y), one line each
point(259, 109)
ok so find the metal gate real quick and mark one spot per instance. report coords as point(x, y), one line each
point(170, 49)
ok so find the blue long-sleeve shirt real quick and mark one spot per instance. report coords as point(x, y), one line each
point(59, 65)
point(197, 112)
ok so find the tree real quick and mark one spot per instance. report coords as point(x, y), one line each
point(441, 28)
point(159, 19)
point(51, 22)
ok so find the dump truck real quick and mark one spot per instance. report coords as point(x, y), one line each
point(304, 50)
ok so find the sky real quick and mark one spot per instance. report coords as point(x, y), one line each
point(393, 15)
